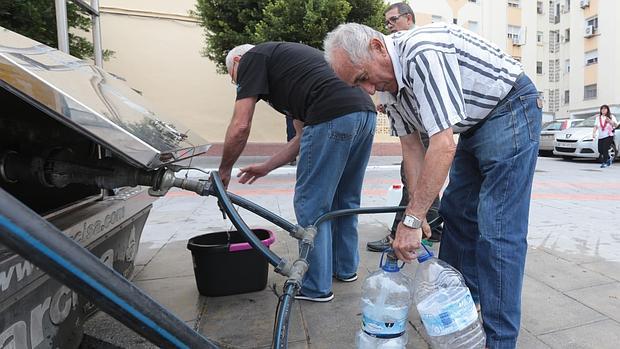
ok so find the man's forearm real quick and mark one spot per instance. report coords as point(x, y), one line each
point(433, 174)
point(234, 143)
point(237, 133)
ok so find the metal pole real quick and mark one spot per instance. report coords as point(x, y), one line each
point(61, 25)
point(97, 34)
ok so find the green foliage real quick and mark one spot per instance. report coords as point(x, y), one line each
point(36, 19)
point(304, 21)
point(228, 23)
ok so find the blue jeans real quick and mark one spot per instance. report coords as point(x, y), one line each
point(330, 171)
point(486, 206)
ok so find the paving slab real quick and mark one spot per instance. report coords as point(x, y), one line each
point(545, 309)
point(178, 294)
point(604, 299)
point(609, 269)
point(561, 274)
point(172, 260)
point(598, 335)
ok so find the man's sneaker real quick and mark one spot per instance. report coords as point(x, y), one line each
point(325, 298)
point(347, 279)
point(379, 245)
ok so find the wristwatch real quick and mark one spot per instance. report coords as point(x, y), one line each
point(412, 222)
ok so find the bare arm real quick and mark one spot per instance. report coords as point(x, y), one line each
point(431, 177)
point(288, 153)
point(236, 135)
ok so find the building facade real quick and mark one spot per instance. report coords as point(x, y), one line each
point(566, 46)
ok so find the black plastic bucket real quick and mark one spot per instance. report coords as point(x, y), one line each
point(226, 264)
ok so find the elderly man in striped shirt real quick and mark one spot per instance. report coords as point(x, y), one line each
point(446, 80)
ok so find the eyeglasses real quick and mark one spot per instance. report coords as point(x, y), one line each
point(392, 20)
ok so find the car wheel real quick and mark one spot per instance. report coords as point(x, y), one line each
point(612, 151)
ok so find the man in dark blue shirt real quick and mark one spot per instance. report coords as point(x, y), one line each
point(334, 146)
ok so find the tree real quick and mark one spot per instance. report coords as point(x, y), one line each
point(227, 23)
point(230, 23)
point(36, 19)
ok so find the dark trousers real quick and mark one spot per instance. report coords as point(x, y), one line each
point(603, 148)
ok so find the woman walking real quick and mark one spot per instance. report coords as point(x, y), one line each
point(604, 124)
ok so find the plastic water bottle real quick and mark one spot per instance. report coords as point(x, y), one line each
point(386, 297)
point(445, 305)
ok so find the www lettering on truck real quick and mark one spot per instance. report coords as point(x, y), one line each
point(20, 270)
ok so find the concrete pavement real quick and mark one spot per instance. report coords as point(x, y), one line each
point(571, 295)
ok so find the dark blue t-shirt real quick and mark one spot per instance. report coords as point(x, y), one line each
point(296, 80)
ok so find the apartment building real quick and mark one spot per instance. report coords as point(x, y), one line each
point(568, 47)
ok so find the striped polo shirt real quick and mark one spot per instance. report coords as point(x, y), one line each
point(447, 77)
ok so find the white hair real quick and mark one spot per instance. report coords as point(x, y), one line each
point(236, 51)
point(353, 38)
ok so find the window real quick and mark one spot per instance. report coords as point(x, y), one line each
point(566, 6)
point(589, 91)
point(539, 7)
point(539, 68)
point(514, 3)
point(591, 57)
point(513, 32)
point(567, 35)
point(435, 19)
point(566, 96)
point(473, 26)
point(592, 22)
point(474, 1)
point(539, 37)
point(567, 66)
point(454, 21)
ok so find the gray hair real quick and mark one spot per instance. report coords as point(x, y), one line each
point(236, 51)
point(353, 39)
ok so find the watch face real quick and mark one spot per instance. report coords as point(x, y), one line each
point(412, 222)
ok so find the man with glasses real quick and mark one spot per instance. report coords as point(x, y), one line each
point(399, 17)
point(334, 146)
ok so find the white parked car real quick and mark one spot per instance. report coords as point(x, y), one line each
point(577, 142)
point(550, 129)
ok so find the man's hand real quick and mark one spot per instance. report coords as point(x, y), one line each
point(408, 241)
point(253, 172)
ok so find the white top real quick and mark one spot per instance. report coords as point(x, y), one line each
point(447, 77)
point(604, 127)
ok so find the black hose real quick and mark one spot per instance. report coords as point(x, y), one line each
point(280, 333)
point(361, 210)
point(262, 212)
point(29, 235)
point(238, 222)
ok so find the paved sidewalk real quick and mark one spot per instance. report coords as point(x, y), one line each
point(571, 296)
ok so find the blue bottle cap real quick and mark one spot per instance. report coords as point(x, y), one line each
point(391, 265)
point(425, 256)
point(391, 262)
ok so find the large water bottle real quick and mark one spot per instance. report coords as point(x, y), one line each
point(445, 305)
point(386, 297)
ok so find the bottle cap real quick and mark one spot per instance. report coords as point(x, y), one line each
point(423, 257)
point(391, 262)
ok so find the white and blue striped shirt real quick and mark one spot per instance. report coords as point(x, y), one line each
point(447, 77)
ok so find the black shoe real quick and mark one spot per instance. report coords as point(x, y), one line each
point(379, 245)
point(321, 299)
point(347, 279)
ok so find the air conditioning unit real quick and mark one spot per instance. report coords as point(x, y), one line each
point(584, 3)
point(589, 31)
